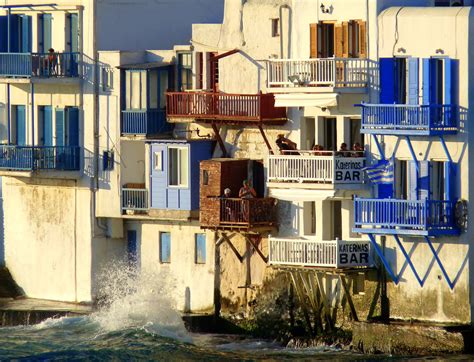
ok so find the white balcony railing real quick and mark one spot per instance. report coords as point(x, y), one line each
point(319, 72)
point(318, 167)
point(325, 254)
point(134, 199)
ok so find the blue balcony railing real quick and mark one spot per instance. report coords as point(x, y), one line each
point(411, 217)
point(144, 122)
point(31, 158)
point(39, 65)
point(401, 119)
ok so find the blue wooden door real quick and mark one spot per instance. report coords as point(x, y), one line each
point(47, 126)
point(60, 119)
point(132, 248)
point(159, 176)
point(413, 81)
point(72, 131)
point(72, 44)
point(20, 125)
point(3, 34)
point(387, 80)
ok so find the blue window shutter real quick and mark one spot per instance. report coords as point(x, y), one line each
point(427, 84)
point(60, 119)
point(387, 80)
point(48, 126)
point(424, 180)
point(412, 181)
point(45, 27)
point(73, 33)
point(25, 44)
point(132, 247)
point(72, 135)
point(200, 248)
point(20, 125)
point(413, 81)
point(15, 32)
point(165, 247)
point(450, 171)
point(451, 77)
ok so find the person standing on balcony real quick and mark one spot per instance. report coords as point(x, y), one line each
point(343, 151)
point(285, 145)
point(246, 192)
point(52, 62)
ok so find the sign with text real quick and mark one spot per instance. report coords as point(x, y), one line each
point(348, 170)
point(354, 254)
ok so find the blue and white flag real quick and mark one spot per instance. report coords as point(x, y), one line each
point(381, 173)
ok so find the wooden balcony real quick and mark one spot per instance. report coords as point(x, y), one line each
point(404, 217)
point(227, 108)
point(236, 213)
point(410, 120)
point(335, 254)
point(144, 122)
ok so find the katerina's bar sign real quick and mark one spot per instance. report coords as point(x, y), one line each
point(348, 170)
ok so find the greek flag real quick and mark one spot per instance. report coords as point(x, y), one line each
point(381, 173)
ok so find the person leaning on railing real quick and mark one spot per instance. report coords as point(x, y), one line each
point(246, 192)
point(357, 150)
point(52, 62)
point(286, 146)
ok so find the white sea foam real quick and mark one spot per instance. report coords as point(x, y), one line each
point(137, 299)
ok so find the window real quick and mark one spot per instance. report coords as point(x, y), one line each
point(309, 214)
point(401, 80)
point(178, 166)
point(185, 71)
point(44, 32)
point(106, 79)
point(205, 177)
point(158, 161)
point(330, 134)
point(200, 248)
point(275, 27)
point(437, 180)
point(356, 136)
point(337, 220)
point(108, 159)
point(165, 247)
point(200, 71)
point(135, 90)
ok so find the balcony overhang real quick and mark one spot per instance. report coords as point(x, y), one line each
point(33, 80)
point(321, 100)
point(407, 232)
point(296, 192)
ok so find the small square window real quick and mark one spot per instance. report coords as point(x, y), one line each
point(106, 79)
point(165, 247)
point(200, 248)
point(205, 177)
point(275, 27)
point(108, 160)
point(158, 161)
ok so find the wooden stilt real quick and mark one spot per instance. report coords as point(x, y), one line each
point(219, 139)
point(346, 289)
point(265, 139)
point(233, 248)
point(302, 301)
point(248, 238)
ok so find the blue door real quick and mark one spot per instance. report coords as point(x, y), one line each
point(3, 34)
point(60, 119)
point(72, 131)
point(132, 248)
point(20, 125)
point(48, 125)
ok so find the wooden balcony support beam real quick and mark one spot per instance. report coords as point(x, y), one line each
point(260, 128)
point(347, 295)
point(219, 139)
point(225, 238)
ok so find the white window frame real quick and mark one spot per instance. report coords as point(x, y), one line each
point(182, 184)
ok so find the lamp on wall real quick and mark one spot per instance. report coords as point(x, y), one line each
point(439, 51)
point(401, 50)
point(325, 10)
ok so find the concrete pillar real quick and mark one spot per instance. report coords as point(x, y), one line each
point(324, 220)
point(347, 214)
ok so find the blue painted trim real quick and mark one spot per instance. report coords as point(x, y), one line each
point(8, 30)
point(32, 114)
point(384, 260)
point(9, 115)
point(412, 152)
point(445, 148)
point(441, 266)
point(408, 259)
point(379, 148)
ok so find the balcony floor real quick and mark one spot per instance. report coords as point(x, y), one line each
point(407, 132)
point(412, 232)
point(35, 80)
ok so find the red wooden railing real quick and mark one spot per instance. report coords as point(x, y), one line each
point(206, 105)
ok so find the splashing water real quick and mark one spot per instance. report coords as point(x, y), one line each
point(132, 299)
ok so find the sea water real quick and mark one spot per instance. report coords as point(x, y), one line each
point(136, 321)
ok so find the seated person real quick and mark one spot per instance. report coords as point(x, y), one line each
point(343, 151)
point(358, 150)
point(285, 145)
